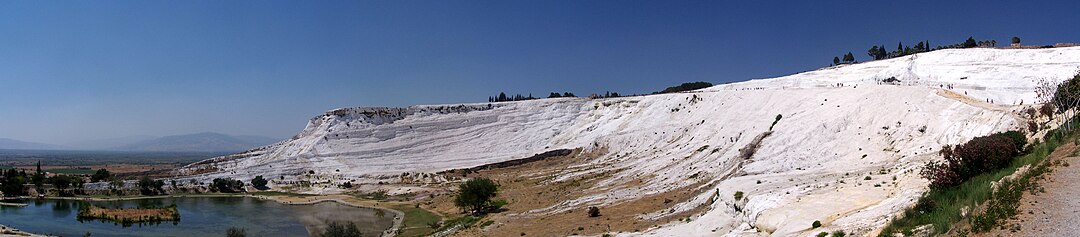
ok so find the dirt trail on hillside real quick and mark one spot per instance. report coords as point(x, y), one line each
point(1055, 212)
point(970, 101)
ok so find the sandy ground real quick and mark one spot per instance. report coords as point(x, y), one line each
point(1055, 212)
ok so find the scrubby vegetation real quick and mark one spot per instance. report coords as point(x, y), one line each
point(778, 117)
point(227, 185)
point(129, 216)
point(941, 207)
point(475, 196)
point(979, 156)
point(259, 183)
point(689, 86)
point(594, 212)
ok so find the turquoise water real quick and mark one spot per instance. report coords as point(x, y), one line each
point(199, 216)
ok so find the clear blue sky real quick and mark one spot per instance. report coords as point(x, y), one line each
point(77, 70)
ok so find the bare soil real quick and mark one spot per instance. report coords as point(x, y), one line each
point(530, 189)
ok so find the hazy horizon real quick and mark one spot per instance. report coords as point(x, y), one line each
point(76, 71)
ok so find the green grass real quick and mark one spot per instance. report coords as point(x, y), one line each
point(970, 193)
point(465, 222)
point(71, 171)
point(417, 221)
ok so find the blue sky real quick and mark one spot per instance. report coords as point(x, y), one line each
point(80, 70)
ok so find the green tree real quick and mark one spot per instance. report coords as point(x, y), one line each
point(881, 51)
point(970, 43)
point(148, 186)
point(475, 195)
point(836, 60)
point(1015, 40)
point(873, 53)
point(259, 183)
point(100, 175)
point(227, 185)
point(849, 58)
point(61, 182)
point(13, 183)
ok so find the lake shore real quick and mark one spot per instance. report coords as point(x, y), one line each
point(8, 231)
point(347, 200)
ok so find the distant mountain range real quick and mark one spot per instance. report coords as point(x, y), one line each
point(6, 143)
point(198, 142)
point(206, 141)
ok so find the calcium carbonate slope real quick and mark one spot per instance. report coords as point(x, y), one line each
point(838, 126)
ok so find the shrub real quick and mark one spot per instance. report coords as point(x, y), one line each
point(259, 183)
point(925, 205)
point(980, 155)
point(338, 229)
point(227, 185)
point(235, 232)
point(1046, 109)
point(689, 86)
point(594, 212)
point(498, 204)
point(475, 195)
point(815, 225)
point(822, 234)
point(778, 117)
point(838, 233)
point(738, 195)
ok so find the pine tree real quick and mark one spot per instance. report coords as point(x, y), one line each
point(970, 43)
point(873, 53)
point(900, 49)
point(836, 60)
point(881, 51)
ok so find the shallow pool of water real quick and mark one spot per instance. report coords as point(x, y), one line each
point(199, 216)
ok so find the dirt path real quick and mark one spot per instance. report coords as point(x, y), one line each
point(1055, 212)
